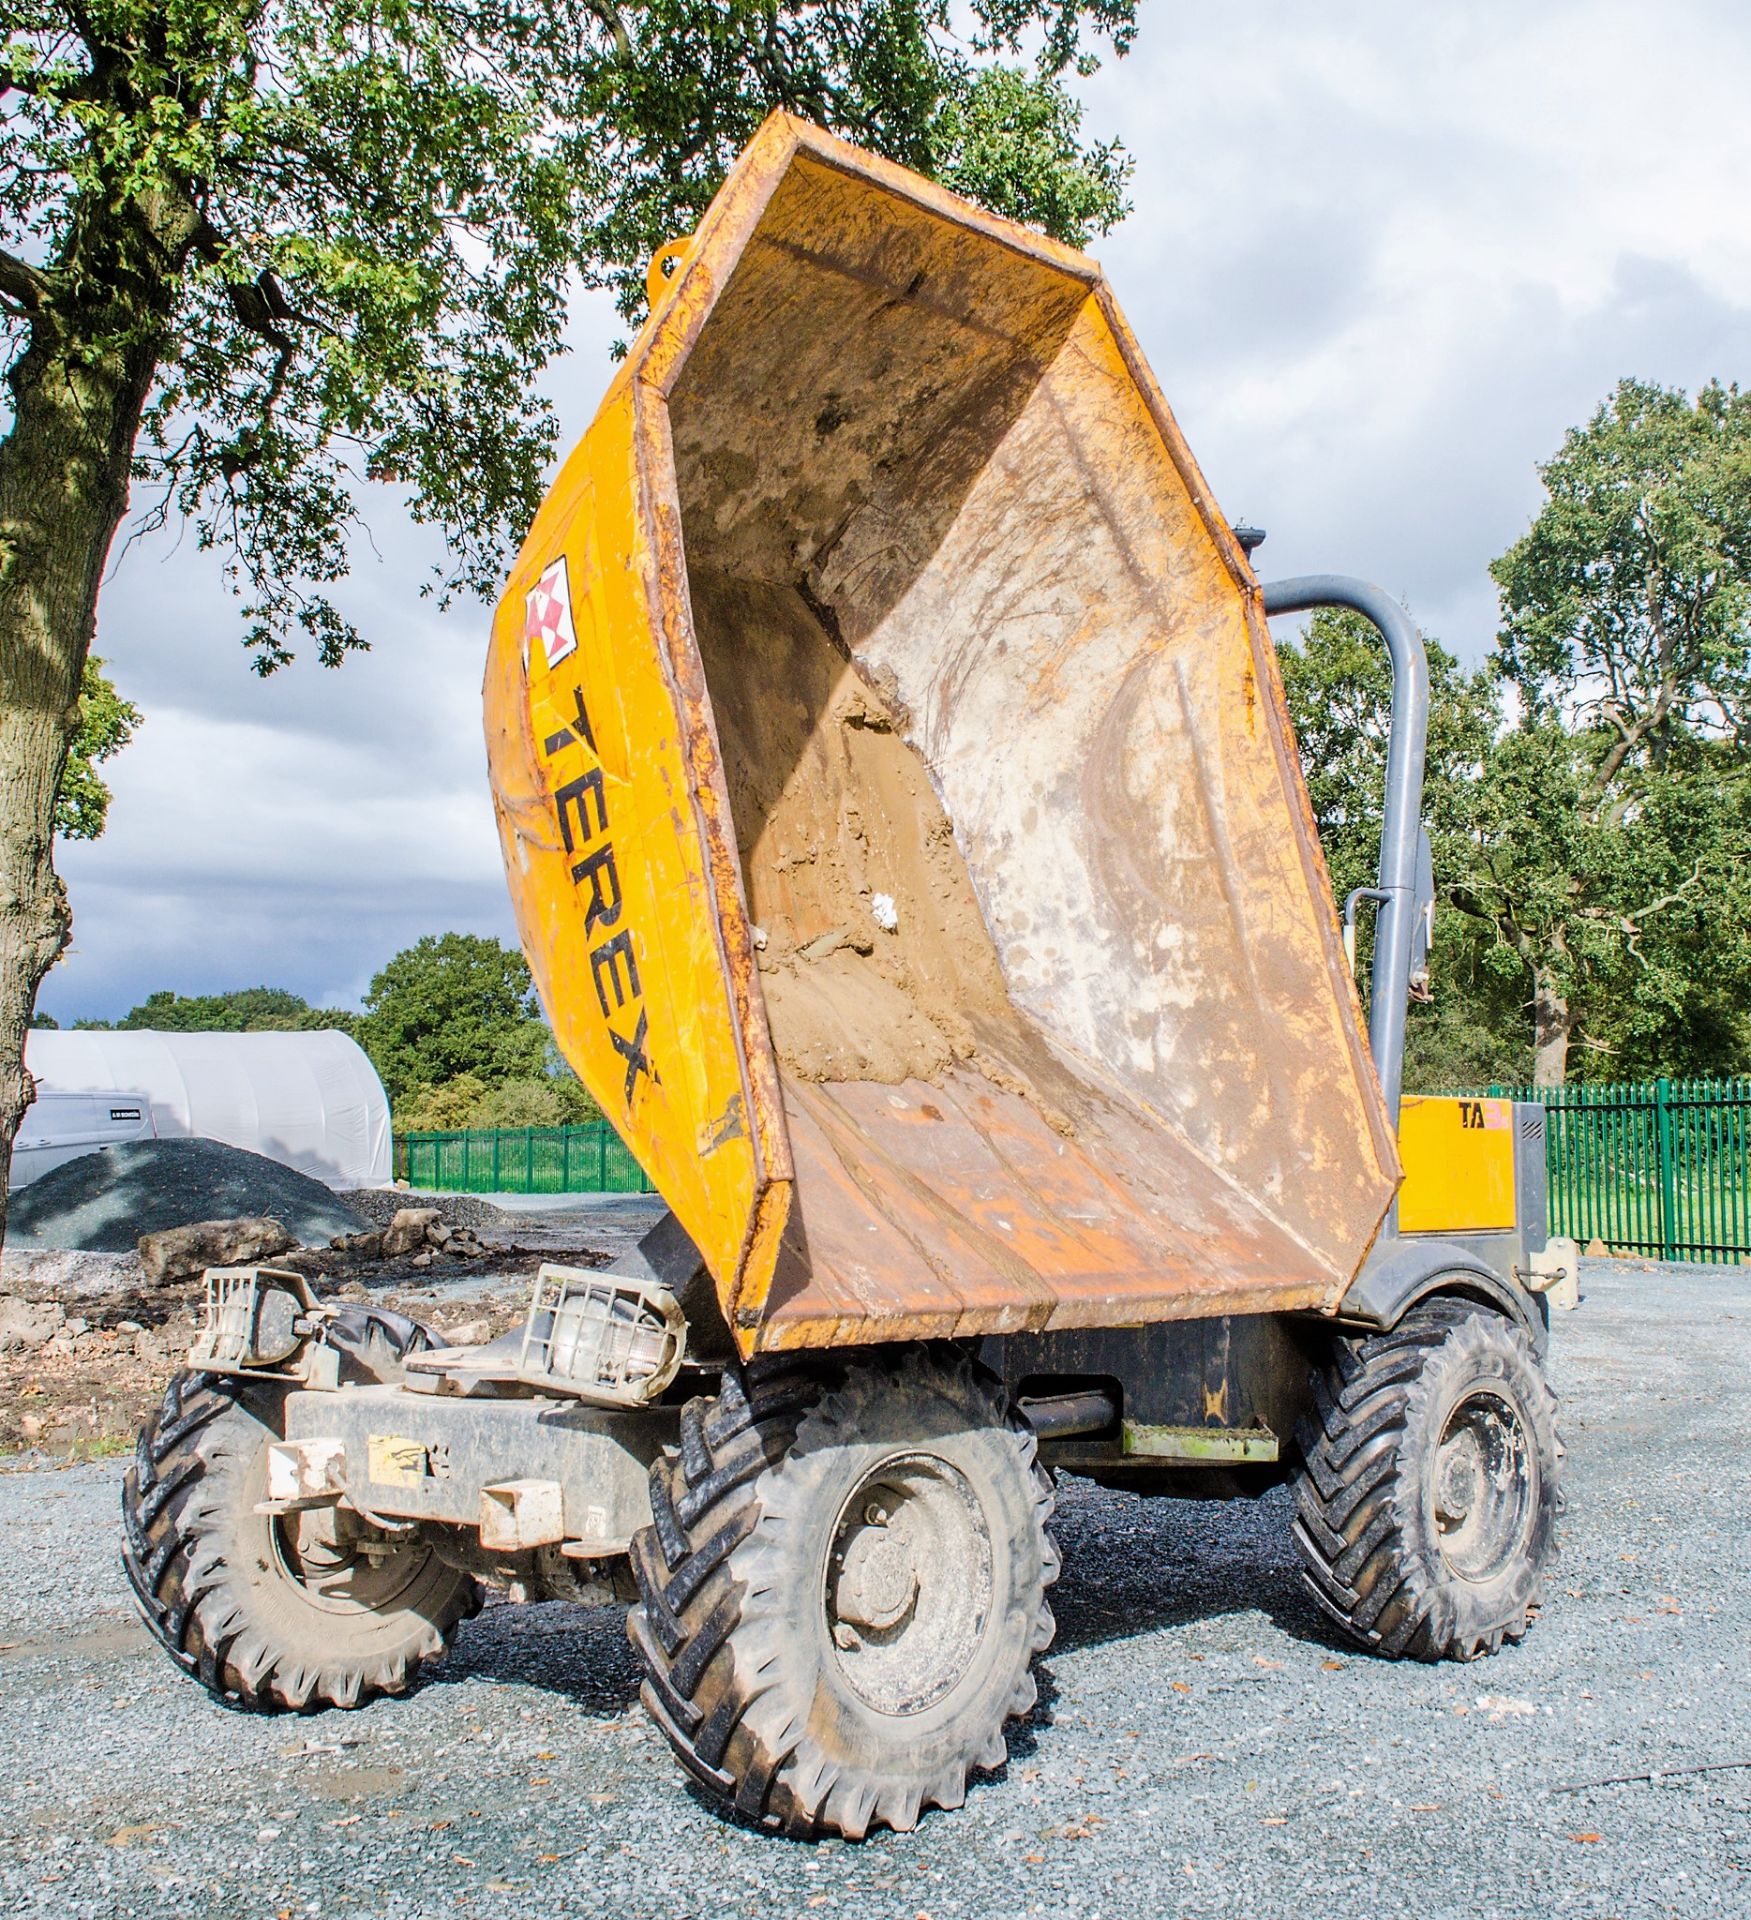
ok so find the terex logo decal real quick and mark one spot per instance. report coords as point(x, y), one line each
point(582, 807)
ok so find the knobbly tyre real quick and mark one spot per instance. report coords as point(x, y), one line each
point(906, 835)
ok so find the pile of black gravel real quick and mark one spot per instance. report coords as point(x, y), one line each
point(104, 1201)
point(377, 1206)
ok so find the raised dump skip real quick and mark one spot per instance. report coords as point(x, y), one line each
point(898, 803)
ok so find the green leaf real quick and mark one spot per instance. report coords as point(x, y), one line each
point(106, 724)
point(366, 221)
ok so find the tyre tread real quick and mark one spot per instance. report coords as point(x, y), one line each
point(705, 1501)
point(179, 1579)
point(1350, 1519)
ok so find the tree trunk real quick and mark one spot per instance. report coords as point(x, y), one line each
point(78, 392)
point(1551, 1025)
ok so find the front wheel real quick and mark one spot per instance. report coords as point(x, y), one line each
point(273, 1612)
point(1426, 1498)
point(843, 1589)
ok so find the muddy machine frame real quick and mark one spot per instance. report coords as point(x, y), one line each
point(883, 616)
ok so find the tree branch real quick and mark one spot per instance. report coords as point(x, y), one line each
point(1630, 924)
point(60, 90)
point(260, 307)
point(26, 289)
point(1630, 735)
point(1676, 898)
point(609, 15)
point(259, 304)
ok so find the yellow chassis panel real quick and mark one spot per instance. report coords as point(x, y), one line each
point(1458, 1165)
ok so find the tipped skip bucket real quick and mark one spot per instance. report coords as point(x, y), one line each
point(899, 808)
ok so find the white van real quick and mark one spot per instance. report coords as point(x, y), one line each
point(62, 1126)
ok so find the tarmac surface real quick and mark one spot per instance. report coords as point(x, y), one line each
point(1201, 1747)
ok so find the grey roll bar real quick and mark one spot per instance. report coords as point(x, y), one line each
point(1402, 818)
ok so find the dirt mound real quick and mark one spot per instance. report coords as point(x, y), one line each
point(835, 811)
point(104, 1201)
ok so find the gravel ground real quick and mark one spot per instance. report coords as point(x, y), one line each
point(1201, 1747)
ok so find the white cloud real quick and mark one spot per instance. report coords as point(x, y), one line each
point(1382, 256)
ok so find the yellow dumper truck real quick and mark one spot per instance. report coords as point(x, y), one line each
point(906, 833)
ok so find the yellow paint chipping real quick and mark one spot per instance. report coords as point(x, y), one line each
point(393, 1460)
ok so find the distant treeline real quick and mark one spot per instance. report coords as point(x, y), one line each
point(452, 1024)
point(1589, 788)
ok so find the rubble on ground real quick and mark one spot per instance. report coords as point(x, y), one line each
point(28, 1323)
point(74, 1384)
point(89, 1337)
point(415, 1235)
point(69, 1274)
point(180, 1253)
point(378, 1206)
point(78, 1374)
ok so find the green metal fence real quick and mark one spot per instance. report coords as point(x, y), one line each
point(590, 1159)
point(1659, 1167)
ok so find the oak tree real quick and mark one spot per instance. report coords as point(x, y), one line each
point(1619, 822)
point(1589, 796)
point(453, 1004)
point(105, 725)
point(1337, 680)
point(256, 254)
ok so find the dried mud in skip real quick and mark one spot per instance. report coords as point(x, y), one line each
point(833, 807)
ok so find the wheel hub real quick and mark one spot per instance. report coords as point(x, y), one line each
point(908, 1586)
point(1484, 1487)
point(342, 1565)
point(879, 1578)
point(1460, 1474)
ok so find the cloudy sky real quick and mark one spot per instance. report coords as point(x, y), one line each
point(1382, 255)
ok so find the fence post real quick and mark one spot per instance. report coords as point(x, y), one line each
point(602, 1156)
point(1668, 1176)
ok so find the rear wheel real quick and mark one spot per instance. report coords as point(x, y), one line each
point(1426, 1499)
point(273, 1612)
point(843, 1589)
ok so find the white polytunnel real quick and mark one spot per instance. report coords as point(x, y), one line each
point(310, 1100)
